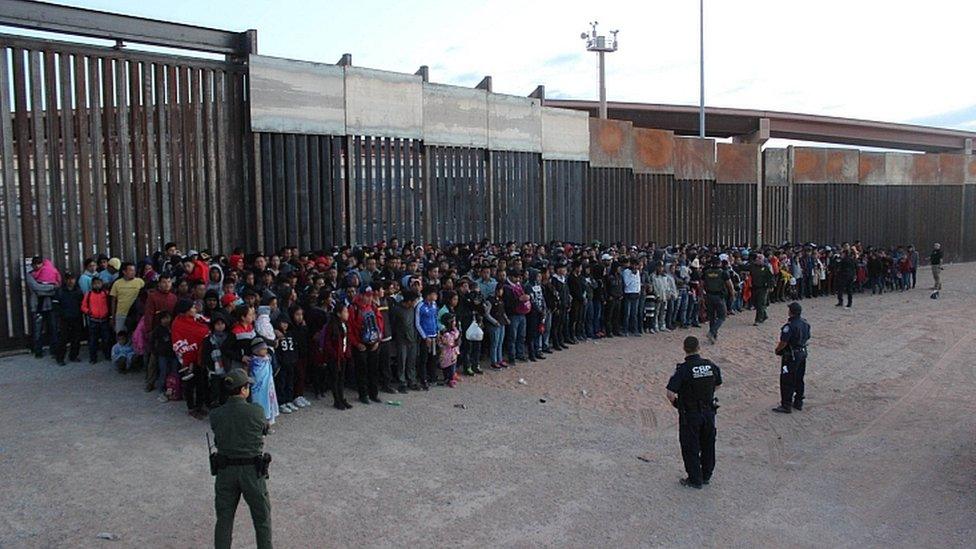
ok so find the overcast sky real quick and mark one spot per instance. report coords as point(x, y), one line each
point(900, 61)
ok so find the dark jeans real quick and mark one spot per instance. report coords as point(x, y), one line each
point(285, 381)
point(406, 363)
point(845, 287)
point(696, 433)
point(338, 370)
point(427, 361)
point(100, 338)
point(45, 332)
point(515, 338)
point(596, 317)
point(716, 313)
point(473, 354)
point(612, 316)
point(367, 372)
point(70, 332)
point(533, 339)
point(195, 391)
point(631, 314)
point(384, 364)
point(791, 385)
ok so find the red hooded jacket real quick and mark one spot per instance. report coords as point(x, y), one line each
point(362, 305)
point(188, 335)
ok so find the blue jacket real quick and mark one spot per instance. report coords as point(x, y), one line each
point(426, 319)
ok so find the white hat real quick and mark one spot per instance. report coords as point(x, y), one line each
point(605, 257)
point(723, 257)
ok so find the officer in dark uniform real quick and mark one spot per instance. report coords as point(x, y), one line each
point(792, 348)
point(718, 285)
point(240, 466)
point(761, 280)
point(692, 391)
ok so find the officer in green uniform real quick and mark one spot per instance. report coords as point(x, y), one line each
point(240, 466)
point(718, 285)
point(761, 281)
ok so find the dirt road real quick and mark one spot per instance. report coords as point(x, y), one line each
point(884, 453)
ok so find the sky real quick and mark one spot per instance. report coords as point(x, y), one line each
point(897, 61)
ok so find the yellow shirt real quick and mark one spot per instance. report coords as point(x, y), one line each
point(126, 292)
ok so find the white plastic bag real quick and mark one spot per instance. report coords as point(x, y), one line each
point(474, 332)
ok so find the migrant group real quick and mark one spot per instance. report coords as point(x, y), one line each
point(394, 318)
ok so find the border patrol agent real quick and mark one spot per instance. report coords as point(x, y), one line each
point(692, 391)
point(792, 349)
point(240, 466)
point(718, 285)
point(762, 281)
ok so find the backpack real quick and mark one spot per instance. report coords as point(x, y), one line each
point(369, 332)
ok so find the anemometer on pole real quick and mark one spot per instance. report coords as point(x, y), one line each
point(602, 45)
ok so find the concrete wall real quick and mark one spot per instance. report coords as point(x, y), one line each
point(455, 116)
point(289, 96)
point(296, 97)
point(514, 123)
point(565, 134)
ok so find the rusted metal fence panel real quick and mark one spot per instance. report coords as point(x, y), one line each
point(459, 197)
point(733, 214)
point(517, 195)
point(564, 200)
point(111, 151)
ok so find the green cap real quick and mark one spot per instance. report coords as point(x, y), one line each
point(236, 378)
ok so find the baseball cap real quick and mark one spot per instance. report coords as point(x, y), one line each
point(236, 378)
point(228, 299)
point(605, 257)
point(115, 263)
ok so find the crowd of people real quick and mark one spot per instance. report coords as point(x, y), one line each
point(394, 318)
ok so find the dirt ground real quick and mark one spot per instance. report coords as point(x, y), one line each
point(883, 454)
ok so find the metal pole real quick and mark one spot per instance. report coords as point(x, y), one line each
point(603, 87)
point(701, 67)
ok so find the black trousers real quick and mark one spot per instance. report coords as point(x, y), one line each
point(426, 362)
point(338, 371)
point(577, 314)
point(69, 338)
point(195, 391)
point(384, 363)
point(791, 380)
point(845, 287)
point(558, 336)
point(696, 433)
point(611, 316)
point(367, 372)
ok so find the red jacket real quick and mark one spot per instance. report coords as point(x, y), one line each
point(188, 335)
point(334, 341)
point(95, 305)
point(356, 321)
point(157, 301)
point(201, 271)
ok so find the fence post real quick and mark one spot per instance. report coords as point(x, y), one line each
point(789, 194)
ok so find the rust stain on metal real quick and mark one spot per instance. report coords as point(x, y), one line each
point(653, 151)
point(694, 158)
point(952, 169)
point(926, 169)
point(871, 167)
point(737, 163)
point(841, 166)
point(809, 165)
point(611, 144)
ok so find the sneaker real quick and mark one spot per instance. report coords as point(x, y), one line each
point(478, 370)
point(686, 482)
point(452, 384)
point(303, 402)
point(285, 408)
point(375, 399)
point(388, 390)
point(364, 400)
point(468, 372)
point(495, 366)
point(782, 410)
point(162, 398)
point(402, 389)
point(414, 387)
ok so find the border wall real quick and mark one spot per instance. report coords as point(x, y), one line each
point(112, 151)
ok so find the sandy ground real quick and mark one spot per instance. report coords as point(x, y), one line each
point(884, 454)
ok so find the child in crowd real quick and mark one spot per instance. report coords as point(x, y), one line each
point(286, 356)
point(334, 341)
point(448, 341)
point(95, 307)
point(298, 333)
point(122, 352)
point(263, 389)
point(213, 360)
point(498, 320)
point(162, 349)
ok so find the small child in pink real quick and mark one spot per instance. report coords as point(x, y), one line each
point(47, 273)
point(449, 340)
